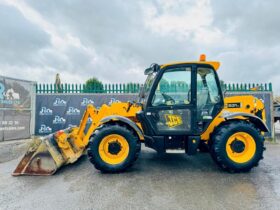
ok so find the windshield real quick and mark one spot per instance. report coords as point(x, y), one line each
point(147, 86)
point(149, 82)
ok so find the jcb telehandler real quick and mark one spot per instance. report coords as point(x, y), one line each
point(181, 107)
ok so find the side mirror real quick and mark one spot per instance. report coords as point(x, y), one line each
point(141, 94)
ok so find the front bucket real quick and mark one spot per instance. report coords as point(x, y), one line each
point(39, 158)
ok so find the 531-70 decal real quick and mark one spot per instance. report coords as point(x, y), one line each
point(233, 105)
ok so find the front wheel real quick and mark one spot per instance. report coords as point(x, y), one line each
point(237, 146)
point(113, 148)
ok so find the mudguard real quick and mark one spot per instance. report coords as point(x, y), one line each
point(115, 118)
point(252, 118)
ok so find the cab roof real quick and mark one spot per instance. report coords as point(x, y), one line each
point(202, 60)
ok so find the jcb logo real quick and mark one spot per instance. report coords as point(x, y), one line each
point(173, 120)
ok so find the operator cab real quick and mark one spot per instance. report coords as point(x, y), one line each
point(179, 100)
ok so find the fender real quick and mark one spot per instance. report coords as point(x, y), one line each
point(252, 118)
point(116, 118)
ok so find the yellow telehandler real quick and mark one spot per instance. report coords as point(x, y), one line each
point(181, 106)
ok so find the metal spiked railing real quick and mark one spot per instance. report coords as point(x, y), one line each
point(135, 87)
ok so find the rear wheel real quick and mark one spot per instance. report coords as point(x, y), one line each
point(237, 146)
point(113, 148)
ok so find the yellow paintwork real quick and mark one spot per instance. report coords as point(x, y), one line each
point(79, 138)
point(109, 158)
point(249, 150)
point(214, 64)
point(64, 145)
point(70, 153)
point(249, 104)
point(73, 144)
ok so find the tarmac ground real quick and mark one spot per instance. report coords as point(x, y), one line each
point(171, 181)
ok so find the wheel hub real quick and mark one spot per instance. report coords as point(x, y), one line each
point(241, 147)
point(114, 147)
point(237, 146)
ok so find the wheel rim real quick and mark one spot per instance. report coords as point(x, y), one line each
point(113, 149)
point(241, 147)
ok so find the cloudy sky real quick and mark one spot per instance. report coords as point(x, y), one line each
point(116, 40)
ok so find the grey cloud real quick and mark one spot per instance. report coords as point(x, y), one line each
point(116, 31)
point(124, 46)
point(253, 22)
point(20, 41)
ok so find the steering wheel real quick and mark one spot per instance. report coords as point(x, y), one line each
point(168, 99)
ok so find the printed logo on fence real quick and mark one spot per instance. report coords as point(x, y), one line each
point(72, 111)
point(45, 111)
point(113, 100)
point(45, 129)
point(86, 101)
point(59, 120)
point(9, 96)
point(59, 102)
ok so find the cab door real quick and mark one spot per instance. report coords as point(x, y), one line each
point(171, 105)
point(209, 96)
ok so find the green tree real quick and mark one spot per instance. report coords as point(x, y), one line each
point(93, 85)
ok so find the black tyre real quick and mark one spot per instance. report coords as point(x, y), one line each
point(237, 146)
point(113, 148)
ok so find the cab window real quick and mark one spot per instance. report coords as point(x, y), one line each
point(174, 88)
point(207, 92)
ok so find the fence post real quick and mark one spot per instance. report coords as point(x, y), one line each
point(106, 88)
point(270, 86)
point(124, 88)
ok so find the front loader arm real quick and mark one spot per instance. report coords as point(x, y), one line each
point(80, 134)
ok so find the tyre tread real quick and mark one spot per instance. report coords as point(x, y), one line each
point(218, 139)
point(99, 165)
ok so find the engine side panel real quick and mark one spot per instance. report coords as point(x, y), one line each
point(236, 104)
